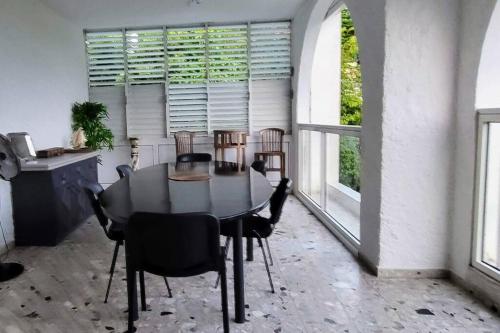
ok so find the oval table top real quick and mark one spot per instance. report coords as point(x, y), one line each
point(224, 189)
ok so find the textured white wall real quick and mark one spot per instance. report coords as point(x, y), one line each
point(418, 125)
point(43, 73)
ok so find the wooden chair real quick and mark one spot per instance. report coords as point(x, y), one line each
point(183, 142)
point(272, 146)
point(230, 139)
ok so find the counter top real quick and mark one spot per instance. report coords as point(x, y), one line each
point(51, 163)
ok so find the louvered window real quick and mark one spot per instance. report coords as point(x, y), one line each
point(270, 75)
point(145, 56)
point(187, 76)
point(270, 50)
point(199, 78)
point(105, 58)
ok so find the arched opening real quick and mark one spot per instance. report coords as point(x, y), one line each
point(486, 249)
point(488, 80)
point(330, 129)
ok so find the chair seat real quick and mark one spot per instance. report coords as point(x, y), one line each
point(254, 222)
point(116, 232)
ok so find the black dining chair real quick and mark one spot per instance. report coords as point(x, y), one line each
point(124, 170)
point(113, 231)
point(176, 245)
point(259, 227)
point(259, 166)
point(194, 157)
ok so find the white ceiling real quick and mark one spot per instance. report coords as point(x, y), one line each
point(131, 13)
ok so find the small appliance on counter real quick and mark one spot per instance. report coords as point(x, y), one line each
point(22, 145)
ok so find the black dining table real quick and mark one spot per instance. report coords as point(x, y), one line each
point(230, 191)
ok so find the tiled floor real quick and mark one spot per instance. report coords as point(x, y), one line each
point(321, 288)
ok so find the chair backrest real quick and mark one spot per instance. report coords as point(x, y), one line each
point(124, 170)
point(194, 157)
point(259, 166)
point(93, 191)
point(174, 245)
point(278, 199)
point(272, 139)
point(183, 142)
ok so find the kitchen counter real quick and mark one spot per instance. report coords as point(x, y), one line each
point(51, 163)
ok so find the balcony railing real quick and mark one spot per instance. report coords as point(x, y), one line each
point(329, 176)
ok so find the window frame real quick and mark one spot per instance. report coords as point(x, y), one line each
point(483, 118)
point(254, 34)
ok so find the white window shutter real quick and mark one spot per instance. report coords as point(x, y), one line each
point(105, 58)
point(227, 53)
point(187, 107)
point(270, 73)
point(146, 111)
point(270, 50)
point(145, 56)
point(228, 105)
point(114, 100)
point(187, 75)
point(271, 104)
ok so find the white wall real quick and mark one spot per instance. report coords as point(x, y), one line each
point(488, 80)
point(325, 75)
point(475, 20)
point(43, 73)
point(421, 46)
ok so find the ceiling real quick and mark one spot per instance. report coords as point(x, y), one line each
point(94, 14)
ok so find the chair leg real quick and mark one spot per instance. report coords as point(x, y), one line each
point(269, 252)
point(225, 314)
point(112, 270)
point(143, 291)
point(168, 287)
point(267, 266)
point(226, 250)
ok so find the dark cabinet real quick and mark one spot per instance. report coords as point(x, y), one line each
point(50, 204)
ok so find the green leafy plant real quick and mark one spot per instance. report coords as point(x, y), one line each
point(90, 116)
point(351, 102)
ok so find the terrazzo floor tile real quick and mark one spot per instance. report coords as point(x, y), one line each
point(320, 287)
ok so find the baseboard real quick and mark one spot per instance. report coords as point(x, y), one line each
point(388, 273)
point(480, 286)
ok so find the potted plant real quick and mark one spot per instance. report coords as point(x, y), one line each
point(90, 117)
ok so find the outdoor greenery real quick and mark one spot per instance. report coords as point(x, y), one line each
point(351, 102)
point(90, 116)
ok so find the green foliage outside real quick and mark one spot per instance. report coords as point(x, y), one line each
point(351, 102)
point(90, 117)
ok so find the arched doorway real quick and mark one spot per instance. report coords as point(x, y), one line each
point(329, 130)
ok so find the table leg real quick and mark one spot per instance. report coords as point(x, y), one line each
point(249, 249)
point(133, 311)
point(239, 283)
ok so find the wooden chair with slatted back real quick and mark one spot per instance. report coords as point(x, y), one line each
point(230, 139)
point(272, 146)
point(183, 142)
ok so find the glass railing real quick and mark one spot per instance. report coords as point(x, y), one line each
point(330, 175)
